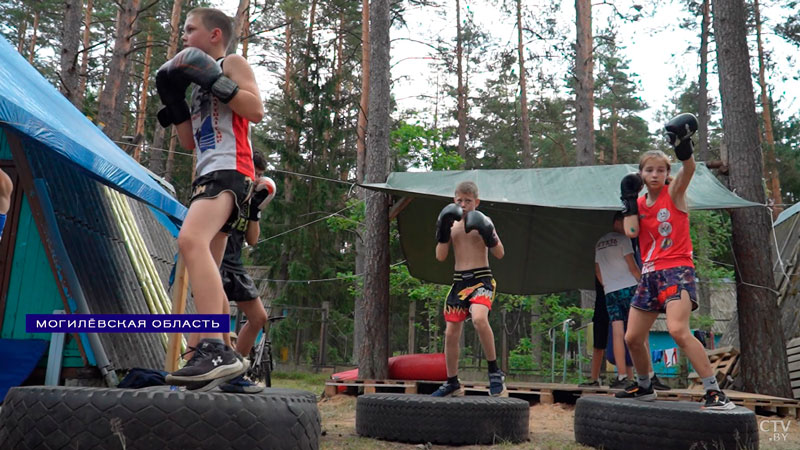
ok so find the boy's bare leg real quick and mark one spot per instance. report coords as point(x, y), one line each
point(480, 319)
point(226, 309)
point(6, 187)
point(256, 319)
point(203, 222)
point(597, 361)
point(452, 335)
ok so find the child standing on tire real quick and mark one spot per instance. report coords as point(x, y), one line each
point(473, 285)
point(224, 101)
point(661, 221)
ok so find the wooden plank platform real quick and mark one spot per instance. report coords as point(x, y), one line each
point(549, 393)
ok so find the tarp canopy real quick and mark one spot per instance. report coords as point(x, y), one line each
point(548, 219)
point(32, 106)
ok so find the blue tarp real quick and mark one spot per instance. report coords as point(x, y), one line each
point(19, 357)
point(31, 105)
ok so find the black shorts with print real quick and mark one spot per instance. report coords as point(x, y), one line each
point(211, 185)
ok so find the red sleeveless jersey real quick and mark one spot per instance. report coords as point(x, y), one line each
point(664, 238)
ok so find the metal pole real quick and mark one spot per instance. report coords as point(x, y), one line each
point(552, 356)
point(566, 344)
point(580, 359)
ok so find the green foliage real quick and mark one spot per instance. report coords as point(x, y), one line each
point(701, 322)
point(710, 231)
point(419, 147)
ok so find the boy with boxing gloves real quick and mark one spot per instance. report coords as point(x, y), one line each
point(224, 101)
point(473, 236)
point(660, 219)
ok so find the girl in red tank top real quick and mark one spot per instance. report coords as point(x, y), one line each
point(667, 284)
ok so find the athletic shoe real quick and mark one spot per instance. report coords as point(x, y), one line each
point(497, 385)
point(449, 390)
point(637, 392)
point(211, 360)
point(595, 383)
point(658, 385)
point(619, 383)
point(717, 400)
point(241, 385)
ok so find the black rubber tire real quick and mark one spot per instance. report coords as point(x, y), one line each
point(450, 421)
point(57, 417)
point(614, 423)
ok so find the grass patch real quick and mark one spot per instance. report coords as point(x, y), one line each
point(313, 382)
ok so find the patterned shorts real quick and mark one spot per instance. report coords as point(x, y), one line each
point(618, 303)
point(658, 288)
point(469, 287)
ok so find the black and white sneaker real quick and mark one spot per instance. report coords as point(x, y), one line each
point(658, 385)
point(717, 400)
point(619, 383)
point(497, 384)
point(449, 390)
point(211, 360)
point(637, 392)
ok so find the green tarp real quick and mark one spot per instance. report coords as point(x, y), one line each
point(548, 219)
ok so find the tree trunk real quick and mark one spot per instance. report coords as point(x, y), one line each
point(773, 181)
point(584, 85)
point(32, 48)
point(87, 34)
point(373, 361)
point(763, 362)
point(23, 29)
point(310, 39)
point(412, 326)
point(525, 131)
point(614, 135)
point(702, 101)
point(461, 112)
point(240, 23)
point(246, 33)
point(361, 152)
point(70, 32)
point(115, 91)
point(142, 113)
point(157, 156)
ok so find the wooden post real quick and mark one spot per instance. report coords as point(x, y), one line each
point(323, 332)
point(180, 288)
point(412, 312)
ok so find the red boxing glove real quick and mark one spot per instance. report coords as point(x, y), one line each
point(263, 193)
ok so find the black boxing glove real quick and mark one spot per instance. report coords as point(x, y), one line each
point(449, 215)
point(476, 220)
point(679, 131)
point(629, 187)
point(172, 92)
point(263, 193)
point(198, 67)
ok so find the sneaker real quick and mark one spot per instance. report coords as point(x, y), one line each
point(658, 385)
point(449, 390)
point(211, 360)
point(717, 400)
point(497, 385)
point(620, 383)
point(595, 383)
point(241, 385)
point(637, 392)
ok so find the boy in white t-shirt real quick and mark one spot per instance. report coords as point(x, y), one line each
point(616, 268)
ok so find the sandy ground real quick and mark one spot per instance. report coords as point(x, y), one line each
point(551, 427)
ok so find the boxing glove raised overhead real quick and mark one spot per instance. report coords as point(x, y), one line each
point(679, 131)
point(476, 220)
point(450, 214)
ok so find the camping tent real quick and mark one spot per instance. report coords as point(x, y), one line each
point(548, 219)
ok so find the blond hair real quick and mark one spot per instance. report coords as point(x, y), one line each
point(656, 154)
point(214, 18)
point(467, 187)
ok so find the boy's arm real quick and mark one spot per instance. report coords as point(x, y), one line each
point(442, 249)
point(632, 267)
point(498, 250)
point(629, 187)
point(185, 135)
point(597, 273)
point(246, 102)
point(252, 233)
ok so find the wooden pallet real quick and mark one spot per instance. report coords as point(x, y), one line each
point(793, 358)
point(724, 364)
point(371, 386)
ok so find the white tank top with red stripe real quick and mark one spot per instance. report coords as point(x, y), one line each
point(221, 137)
